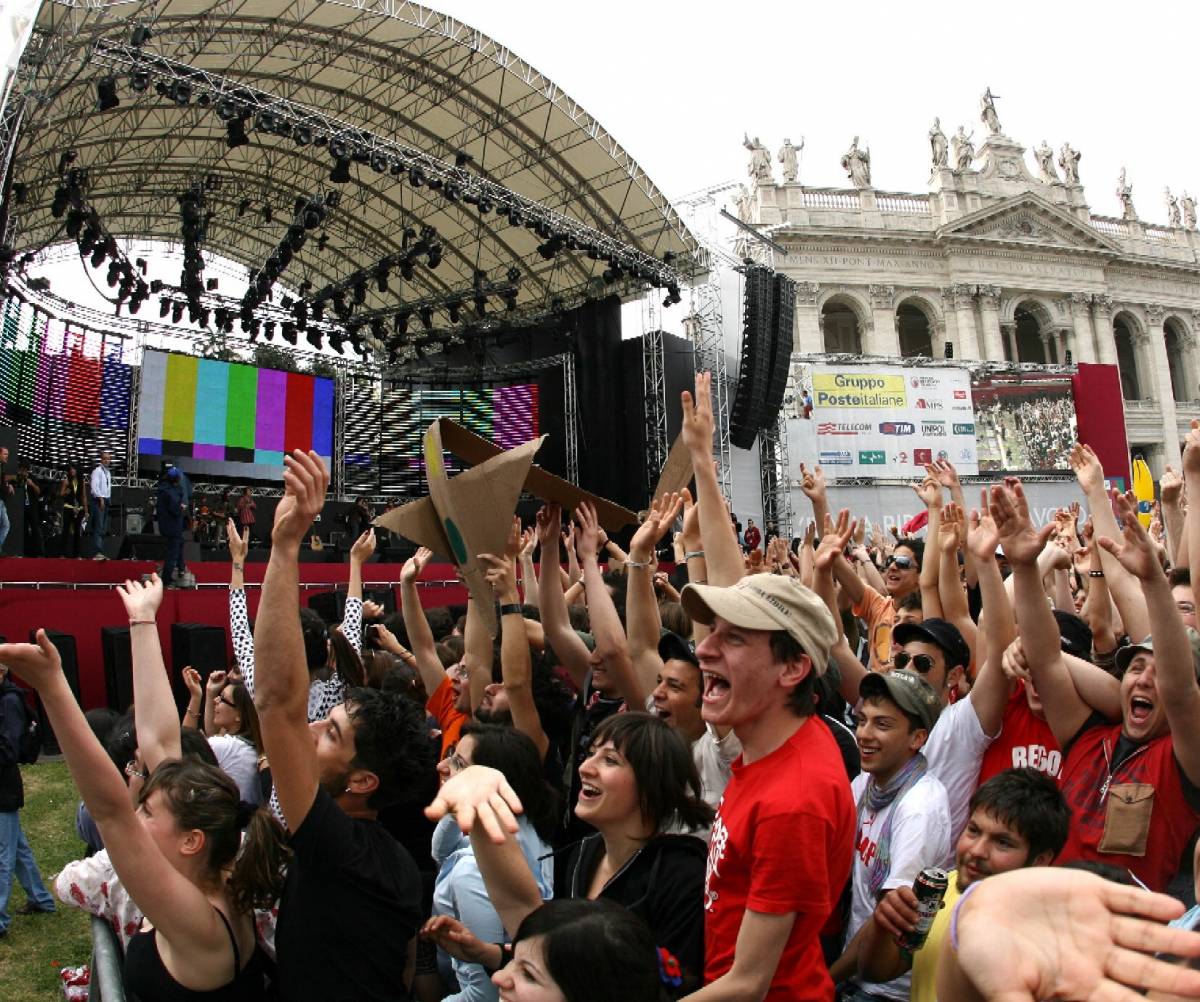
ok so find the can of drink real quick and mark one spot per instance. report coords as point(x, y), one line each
point(930, 888)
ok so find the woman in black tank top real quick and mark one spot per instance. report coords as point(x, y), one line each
point(177, 853)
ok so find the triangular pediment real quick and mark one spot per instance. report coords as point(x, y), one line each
point(1029, 221)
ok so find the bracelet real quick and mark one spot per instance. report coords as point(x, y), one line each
point(954, 915)
point(142, 622)
point(239, 567)
point(1095, 574)
point(692, 554)
point(638, 563)
point(189, 712)
point(511, 609)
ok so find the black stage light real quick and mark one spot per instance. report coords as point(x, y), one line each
point(455, 312)
point(156, 286)
point(481, 304)
point(318, 311)
point(164, 307)
point(106, 94)
point(379, 162)
point(377, 332)
point(269, 330)
point(176, 312)
point(396, 168)
point(400, 324)
point(302, 135)
point(314, 338)
point(288, 333)
point(333, 198)
point(314, 213)
point(181, 93)
point(75, 223)
point(360, 292)
point(426, 315)
point(140, 35)
point(58, 207)
point(513, 274)
point(66, 159)
point(228, 109)
point(243, 207)
point(381, 277)
point(322, 240)
point(461, 159)
point(435, 255)
point(20, 190)
point(235, 133)
point(139, 80)
point(340, 174)
point(211, 285)
point(266, 212)
point(416, 177)
point(406, 269)
point(510, 299)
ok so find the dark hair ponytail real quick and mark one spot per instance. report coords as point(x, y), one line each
point(346, 661)
point(261, 866)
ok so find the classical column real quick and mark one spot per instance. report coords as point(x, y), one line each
point(937, 339)
point(1081, 324)
point(1046, 336)
point(1160, 388)
point(1008, 335)
point(809, 339)
point(1106, 342)
point(989, 312)
point(886, 339)
point(963, 299)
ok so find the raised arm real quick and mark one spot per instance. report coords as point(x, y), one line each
point(574, 572)
point(213, 686)
point(641, 606)
point(1066, 712)
point(239, 619)
point(1175, 674)
point(930, 493)
point(570, 649)
point(420, 636)
point(834, 536)
point(955, 608)
point(516, 666)
point(693, 553)
point(611, 645)
point(281, 690)
point(153, 703)
point(529, 582)
point(191, 715)
point(1123, 588)
point(1170, 489)
point(721, 551)
point(997, 628)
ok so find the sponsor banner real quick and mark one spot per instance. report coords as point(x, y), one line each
point(883, 421)
point(1023, 423)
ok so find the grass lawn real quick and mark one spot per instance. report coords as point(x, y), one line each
point(38, 945)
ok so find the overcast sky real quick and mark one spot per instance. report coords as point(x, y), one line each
point(677, 83)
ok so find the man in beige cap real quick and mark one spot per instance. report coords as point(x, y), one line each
point(782, 841)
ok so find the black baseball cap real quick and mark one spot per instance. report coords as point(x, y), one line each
point(938, 632)
point(1075, 633)
point(672, 647)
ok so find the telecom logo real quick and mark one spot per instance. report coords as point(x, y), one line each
point(897, 428)
point(874, 457)
point(837, 428)
point(934, 429)
point(964, 429)
point(838, 458)
point(930, 405)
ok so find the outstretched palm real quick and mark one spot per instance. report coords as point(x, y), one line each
point(1010, 511)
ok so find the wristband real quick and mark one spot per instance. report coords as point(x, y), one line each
point(511, 609)
point(142, 622)
point(238, 567)
point(638, 563)
point(954, 915)
point(693, 554)
point(1095, 574)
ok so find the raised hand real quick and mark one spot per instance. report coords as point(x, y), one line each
point(528, 544)
point(1013, 663)
point(549, 525)
point(387, 640)
point(512, 546)
point(499, 573)
point(363, 548)
point(372, 610)
point(305, 482)
point(587, 538)
point(943, 472)
point(239, 545)
point(1170, 486)
point(692, 540)
point(1022, 543)
point(661, 516)
point(813, 483)
point(929, 491)
point(834, 538)
point(38, 663)
point(698, 425)
point(450, 935)
point(982, 537)
point(478, 793)
point(950, 529)
point(1136, 550)
point(142, 598)
point(191, 680)
point(1191, 450)
point(216, 682)
point(1088, 470)
point(413, 566)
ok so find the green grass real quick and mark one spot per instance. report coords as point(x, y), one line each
point(38, 945)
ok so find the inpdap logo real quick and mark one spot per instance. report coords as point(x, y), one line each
point(897, 428)
point(838, 458)
point(919, 381)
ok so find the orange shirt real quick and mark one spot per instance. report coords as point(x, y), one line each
point(450, 720)
point(879, 613)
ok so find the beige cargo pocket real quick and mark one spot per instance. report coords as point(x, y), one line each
point(1127, 820)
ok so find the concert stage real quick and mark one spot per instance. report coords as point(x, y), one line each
point(78, 597)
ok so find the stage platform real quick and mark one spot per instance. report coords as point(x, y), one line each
point(78, 597)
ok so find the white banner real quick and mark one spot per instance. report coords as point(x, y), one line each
point(883, 421)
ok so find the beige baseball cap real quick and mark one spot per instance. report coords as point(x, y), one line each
point(768, 602)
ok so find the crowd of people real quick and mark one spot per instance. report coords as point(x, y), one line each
point(1026, 434)
point(747, 778)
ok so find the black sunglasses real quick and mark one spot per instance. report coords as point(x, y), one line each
point(923, 663)
point(903, 562)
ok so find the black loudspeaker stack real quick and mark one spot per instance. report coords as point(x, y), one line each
point(784, 302)
point(197, 645)
point(118, 667)
point(65, 642)
point(767, 341)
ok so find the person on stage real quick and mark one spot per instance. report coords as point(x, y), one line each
point(169, 513)
point(74, 495)
point(99, 502)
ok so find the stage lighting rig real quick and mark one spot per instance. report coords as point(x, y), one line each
point(106, 93)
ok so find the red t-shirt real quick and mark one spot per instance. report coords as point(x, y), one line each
point(441, 706)
point(782, 841)
point(1024, 741)
point(1172, 820)
point(753, 537)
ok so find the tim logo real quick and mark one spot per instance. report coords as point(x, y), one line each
point(929, 405)
point(934, 429)
point(964, 429)
point(897, 428)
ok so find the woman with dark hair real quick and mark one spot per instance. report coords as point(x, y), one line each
point(584, 951)
point(73, 492)
point(638, 784)
point(231, 723)
point(178, 853)
point(459, 890)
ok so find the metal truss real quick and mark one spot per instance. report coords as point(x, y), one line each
point(654, 392)
point(571, 418)
point(775, 482)
point(704, 327)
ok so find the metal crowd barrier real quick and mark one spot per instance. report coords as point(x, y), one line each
point(107, 984)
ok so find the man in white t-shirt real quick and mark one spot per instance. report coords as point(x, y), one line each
point(903, 814)
point(99, 499)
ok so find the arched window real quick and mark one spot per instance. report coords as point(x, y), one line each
point(913, 327)
point(1126, 359)
point(842, 332)
point(1175, 360)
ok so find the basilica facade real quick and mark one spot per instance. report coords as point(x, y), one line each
point(996, 262)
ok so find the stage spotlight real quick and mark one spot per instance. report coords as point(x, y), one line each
point(106, 94)
point(98, 255)
point(288, 333)
point(267, 215)
point(416, 177)
point(381, 277)
point(269, 330)
point(435, 255)
point(65, 160)
point(302, 135)
point(400, 324)
point(176, 312)
point(140, 35)
point(455, 312)
point(360, 292)
point(296, 238)
point(228, 109)
point(139, 80)
point(340, 174)
point(322, 240)
point(181, 93)
point(243, 207)
point(481, 304)
point(211, 285)
point(314, 214)
point(58, 207)
point(377, 331)
point(426, 315)
point(75, 223)
point(510, 299)
point(164, 307)
point(318, 311)
point(235, 133)
point(461, 159)
point(396, 168)
point(407, 270)
point(379, 162)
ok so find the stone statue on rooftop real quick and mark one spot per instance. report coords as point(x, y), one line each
point(789, 156)
point(857, 163)
point(1125, 195)
point(741, 203)
point(964, 151)
point(937, 145)
point(1045, 159)
point(987, 113)
point(1188, 205)
point(1172, 208)
point(1068, 160)
point(760, 160)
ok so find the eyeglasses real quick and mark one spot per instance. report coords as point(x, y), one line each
point(903, 562)
point(1187, 608)
point(922, 663)
point(220, 698)
point(459, 671)
point(132, 770)
point(455, 761)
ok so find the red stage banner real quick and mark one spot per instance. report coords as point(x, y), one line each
point(1100, 415)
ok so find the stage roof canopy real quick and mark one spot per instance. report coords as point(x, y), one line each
point(390, 85)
